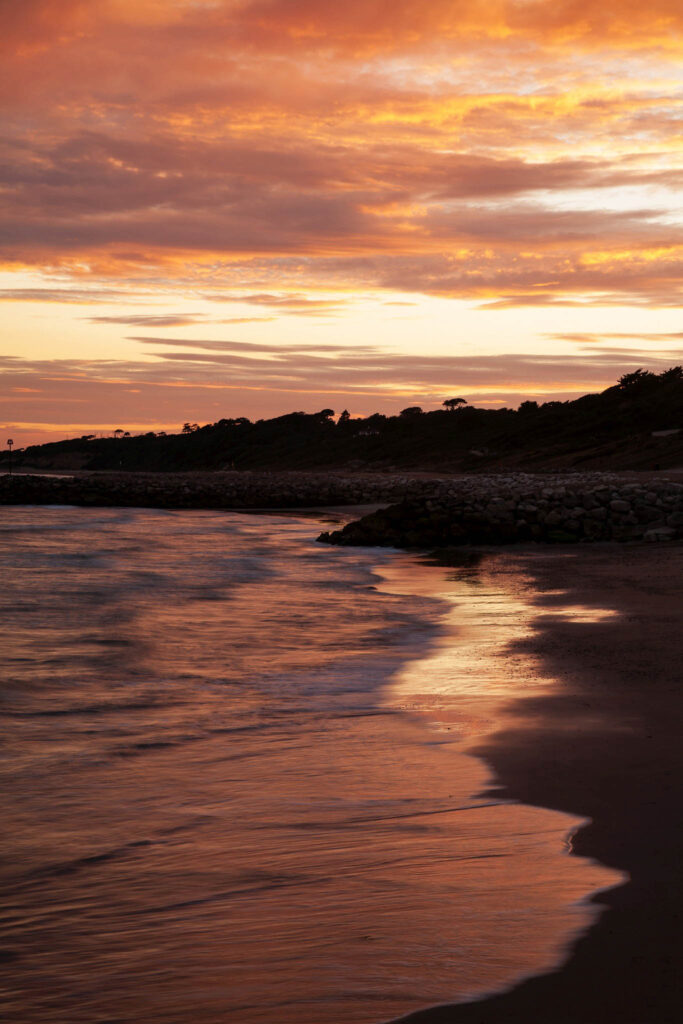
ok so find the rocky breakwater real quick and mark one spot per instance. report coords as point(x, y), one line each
point(228, 490)
point(512, 509)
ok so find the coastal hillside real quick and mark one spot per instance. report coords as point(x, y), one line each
point(636, 424)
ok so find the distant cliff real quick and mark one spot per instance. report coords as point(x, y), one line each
point(636, 424)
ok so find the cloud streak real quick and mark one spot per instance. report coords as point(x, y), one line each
point(370, 377)
point(149, 320)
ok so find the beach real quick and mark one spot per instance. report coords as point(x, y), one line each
point(379, 780)
point(606, 745)
point(238, 778)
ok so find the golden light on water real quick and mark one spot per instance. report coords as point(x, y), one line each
point(242, 781)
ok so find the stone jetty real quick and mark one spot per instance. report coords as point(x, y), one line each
point(228, 490)
point(421, 511)
point(577, 507)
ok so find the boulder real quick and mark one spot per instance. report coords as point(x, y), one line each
point(660, 533)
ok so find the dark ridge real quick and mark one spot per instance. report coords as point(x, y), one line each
point(616, 429)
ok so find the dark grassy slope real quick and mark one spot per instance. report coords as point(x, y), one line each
point(608, 430)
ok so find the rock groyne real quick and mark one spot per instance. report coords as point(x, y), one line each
point(421, 512)
point(512, 509)
point(228, 490)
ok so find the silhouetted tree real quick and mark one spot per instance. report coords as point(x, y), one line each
point(636, 378)
point(454, 403)
point(325, 416)
point(412, 410)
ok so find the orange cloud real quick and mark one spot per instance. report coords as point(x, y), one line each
point(114, 204)
point(365, 24)
point(514, 152)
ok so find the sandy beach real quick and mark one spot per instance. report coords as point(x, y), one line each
point(163, 798)
point(606, 745)
point(210, 820)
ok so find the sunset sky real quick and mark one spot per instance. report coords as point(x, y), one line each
point(245, 207)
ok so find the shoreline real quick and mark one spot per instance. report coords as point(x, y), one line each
point(606, 747)
point(466, 687)
point(341, 836)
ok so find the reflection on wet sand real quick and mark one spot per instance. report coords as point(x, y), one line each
point(474, 684)
point(239, 790)
point(603, 742)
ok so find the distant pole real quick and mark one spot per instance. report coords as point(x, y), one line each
point(10, 442)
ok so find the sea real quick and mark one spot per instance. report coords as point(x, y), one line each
point(238, 779)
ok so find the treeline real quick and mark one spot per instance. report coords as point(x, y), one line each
point(637, 423)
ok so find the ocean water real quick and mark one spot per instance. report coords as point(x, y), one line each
point(235, 779)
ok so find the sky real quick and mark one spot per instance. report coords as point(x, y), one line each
point(215, 208)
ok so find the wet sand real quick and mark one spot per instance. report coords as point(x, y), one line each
point(605, 745)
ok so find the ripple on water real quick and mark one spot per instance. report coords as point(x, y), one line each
point(239, 787)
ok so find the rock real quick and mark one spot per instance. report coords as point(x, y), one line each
point(593, 529)
point(617, 505)
point(660, 533)
point(557, 536)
